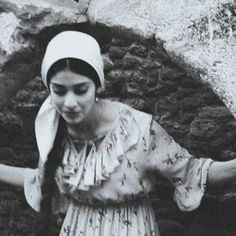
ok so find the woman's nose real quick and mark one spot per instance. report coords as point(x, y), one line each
point(70, 100)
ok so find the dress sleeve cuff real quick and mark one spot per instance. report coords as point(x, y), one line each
point(32, 189)
point(189, 195)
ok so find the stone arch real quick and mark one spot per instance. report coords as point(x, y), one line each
point(181, 100)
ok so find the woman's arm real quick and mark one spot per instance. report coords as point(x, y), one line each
point(221, 172)
point(12, 175)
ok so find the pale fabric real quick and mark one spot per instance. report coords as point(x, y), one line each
point(77, 45)
point(106, 182)
point(131, 219)
point(46, 124)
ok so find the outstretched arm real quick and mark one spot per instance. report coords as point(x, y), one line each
point(221, 172)
point(189, 175)
point(12, 175)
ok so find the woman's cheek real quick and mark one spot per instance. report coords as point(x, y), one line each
point(58, 102)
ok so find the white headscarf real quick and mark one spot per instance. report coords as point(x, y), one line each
point(68, 44)
point(73, 44)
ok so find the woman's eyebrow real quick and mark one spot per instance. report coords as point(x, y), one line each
point(81, 84)
point(56, 84)
point(75, 85)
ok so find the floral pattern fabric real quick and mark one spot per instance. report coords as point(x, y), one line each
point(104, 184)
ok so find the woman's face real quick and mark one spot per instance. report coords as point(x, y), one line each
point(73, 95)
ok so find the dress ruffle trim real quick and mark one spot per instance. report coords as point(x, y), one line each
point(81, 172)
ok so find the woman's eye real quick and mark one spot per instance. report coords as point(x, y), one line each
point(59, 91)
point(80, 90)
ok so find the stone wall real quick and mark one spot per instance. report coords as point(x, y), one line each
point(144, 77)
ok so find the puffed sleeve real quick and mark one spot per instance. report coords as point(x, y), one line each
point(32, 189)
point(186, 173)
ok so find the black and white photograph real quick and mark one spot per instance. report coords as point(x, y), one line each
point(117, 118)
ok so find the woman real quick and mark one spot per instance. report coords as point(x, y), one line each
point(97, 157)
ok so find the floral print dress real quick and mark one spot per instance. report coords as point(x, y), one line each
point(104, 184)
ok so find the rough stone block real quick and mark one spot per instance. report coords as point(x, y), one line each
point(117, 53)
point(138, 50)
point(132, 89)
point(138, 103)
point(130, 62)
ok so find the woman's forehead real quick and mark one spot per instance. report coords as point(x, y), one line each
point(68, 77)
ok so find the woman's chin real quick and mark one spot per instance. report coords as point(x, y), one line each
point(73, 121)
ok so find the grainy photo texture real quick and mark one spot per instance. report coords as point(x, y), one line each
point(117, 117)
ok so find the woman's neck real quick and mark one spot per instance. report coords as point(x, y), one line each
point(97, 123)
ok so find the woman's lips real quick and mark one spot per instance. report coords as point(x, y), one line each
point(71, 114)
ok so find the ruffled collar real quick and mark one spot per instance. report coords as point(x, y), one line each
point(83, 169)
